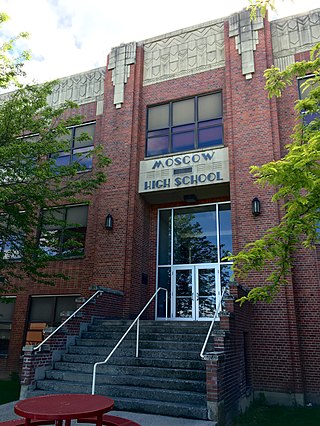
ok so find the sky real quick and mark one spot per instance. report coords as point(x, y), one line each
point(72, 36)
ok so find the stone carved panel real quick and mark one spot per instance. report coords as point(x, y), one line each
point(184, 52)
point(294, 34)
point(245, 32)
point(120, 59)
point(80, 88)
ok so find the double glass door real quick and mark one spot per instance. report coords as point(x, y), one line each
point(193, 243)
point(196, 292)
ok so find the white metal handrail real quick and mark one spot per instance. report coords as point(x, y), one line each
point(216, 314)
point(68, 319)
point(137, 320)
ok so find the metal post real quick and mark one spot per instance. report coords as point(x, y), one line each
point(167, 304)
point(137, 341)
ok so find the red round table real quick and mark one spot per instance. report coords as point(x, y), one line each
point(63, 407)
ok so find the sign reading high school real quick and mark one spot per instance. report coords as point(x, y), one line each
point(184, 170)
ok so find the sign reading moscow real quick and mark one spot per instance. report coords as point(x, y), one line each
point(184, 170)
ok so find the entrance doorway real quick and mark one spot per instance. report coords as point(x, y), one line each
point(193, 243)
point(196, 293)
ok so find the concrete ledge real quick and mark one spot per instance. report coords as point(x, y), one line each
point(281, 398)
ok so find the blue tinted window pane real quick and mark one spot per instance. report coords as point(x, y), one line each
point(225, 230)
point(180, 129)
point(81, 156)
point(182, 141)
point(164, 281)
point(161, 132)
point(310, 117)
point(83, 160)
point(158, 145)
point(210, 123)
point(210, 136)
point(62, 160)
point(164, 251)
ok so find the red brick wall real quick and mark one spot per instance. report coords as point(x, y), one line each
point(253, 139)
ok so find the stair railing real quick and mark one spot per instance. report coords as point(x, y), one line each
point(216, 314)
point(68, 319)
point(137, 320)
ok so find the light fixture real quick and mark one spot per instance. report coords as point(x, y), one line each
point(255, 205)
point(109, 222)
point(190, 198)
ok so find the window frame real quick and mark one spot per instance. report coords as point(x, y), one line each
point(61, 235)
point(173, 129)
point(34, 330)
point(8, 324)
point(71, 153)
point(307, 118)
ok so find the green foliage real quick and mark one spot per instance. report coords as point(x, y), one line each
point(263, 415)
point(11, 65)
point(30, 181)
point(260, 6)
point(296, 181)
point(9, 389)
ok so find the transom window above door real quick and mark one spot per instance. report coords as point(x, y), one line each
point(185, 125)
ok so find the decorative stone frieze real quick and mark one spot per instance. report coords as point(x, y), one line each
point(245, 32)
point(294, 35)
point(120, 59)
point(81, 88)
point(185, 52)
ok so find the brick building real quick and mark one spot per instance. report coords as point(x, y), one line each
point(183, 116)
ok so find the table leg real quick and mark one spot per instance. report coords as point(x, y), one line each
point(99, 420)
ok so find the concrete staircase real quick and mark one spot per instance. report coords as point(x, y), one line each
point(168, 378)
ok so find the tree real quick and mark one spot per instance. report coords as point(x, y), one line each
point(11, 65)
point(296, 180)
point(32, 182)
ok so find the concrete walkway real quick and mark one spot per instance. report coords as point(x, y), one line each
point(7, 413)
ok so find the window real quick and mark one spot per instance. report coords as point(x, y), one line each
point(304, 92)
point(193, 243)
point(10, 246)
point(6, 314)
point(45, 312)
point(80, 146)
point(185, 125)
point(64, 231)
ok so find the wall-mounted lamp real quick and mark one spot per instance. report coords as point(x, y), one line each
point(190, 198)
point(109, 222)
point(255, 205)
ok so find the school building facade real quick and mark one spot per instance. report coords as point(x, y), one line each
point(183, 116)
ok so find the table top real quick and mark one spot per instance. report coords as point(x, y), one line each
point(63, 406)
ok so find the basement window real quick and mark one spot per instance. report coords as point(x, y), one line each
point(45, 311)
point(7, 305)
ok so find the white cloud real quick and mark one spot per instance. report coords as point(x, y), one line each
point(71, 36)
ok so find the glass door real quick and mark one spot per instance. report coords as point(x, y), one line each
point(195, 292)
point(193, 243)
point(183, 289)
point(207, 291)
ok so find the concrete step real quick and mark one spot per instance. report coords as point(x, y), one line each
point(163, 408)
point(145, 335)
point(125, 391)
point(130, 352)
point(167, 378)
point(142, 380)
point(132, 361)
point(143, 344)
point(162, 371)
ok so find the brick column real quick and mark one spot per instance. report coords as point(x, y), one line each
point(215, 386)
